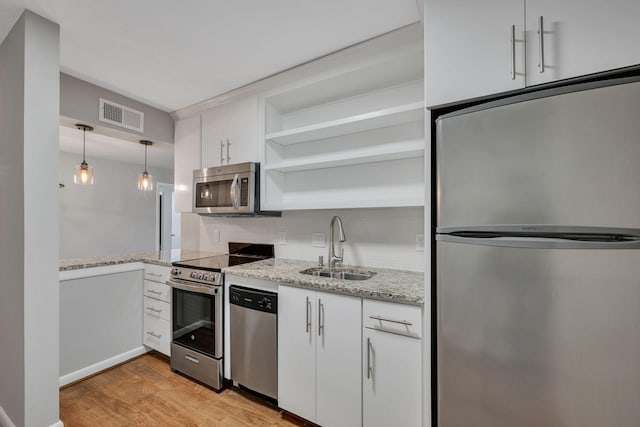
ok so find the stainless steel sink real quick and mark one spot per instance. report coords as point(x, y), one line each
point(340, 273)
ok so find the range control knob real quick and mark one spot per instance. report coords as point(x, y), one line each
point(193, 275)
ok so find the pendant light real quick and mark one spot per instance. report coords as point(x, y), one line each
point(84, 172)
point(145, 180)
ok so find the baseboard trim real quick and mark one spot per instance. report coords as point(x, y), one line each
point(5, 421)
point(100, 366)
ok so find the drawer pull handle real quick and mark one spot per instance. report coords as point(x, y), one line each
point(154, 309)
point(383, 319)
point(154, 335)
point(154, 274)
point(154, 292)
point(191, 358)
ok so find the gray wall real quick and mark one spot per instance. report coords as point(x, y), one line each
point(29, 292)
point(111, 216)
point(80, 101)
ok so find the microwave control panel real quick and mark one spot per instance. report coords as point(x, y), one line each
point(244, 191)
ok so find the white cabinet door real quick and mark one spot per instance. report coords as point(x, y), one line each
point(186, 159)
point(581, 37)
point(296, 351)
point(392, 392)
point(230, 133)
point(339, 363)
point(469, 50)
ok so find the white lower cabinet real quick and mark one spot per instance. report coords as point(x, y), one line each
point(156, 327)
point(392, 364)
point(319, 356)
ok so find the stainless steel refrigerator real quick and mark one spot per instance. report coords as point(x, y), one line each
point(538, 260)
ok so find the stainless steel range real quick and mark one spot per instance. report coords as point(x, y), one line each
point(197, 346)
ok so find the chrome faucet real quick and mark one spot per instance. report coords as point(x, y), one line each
point(333, 258)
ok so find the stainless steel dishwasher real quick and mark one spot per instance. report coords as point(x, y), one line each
point(254, 340)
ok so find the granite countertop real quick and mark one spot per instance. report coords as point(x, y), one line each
point(165, 258)
point(390, 285)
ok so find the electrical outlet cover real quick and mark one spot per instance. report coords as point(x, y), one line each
point(317, 240)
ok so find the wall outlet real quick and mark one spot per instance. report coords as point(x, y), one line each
point(420, 242)
point(282, 238)
point(317, 240)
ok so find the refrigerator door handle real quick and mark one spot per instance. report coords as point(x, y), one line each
point(544, 242)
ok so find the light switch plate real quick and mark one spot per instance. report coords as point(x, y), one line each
point(282, 238)
point(420, 242)
point(317, 240)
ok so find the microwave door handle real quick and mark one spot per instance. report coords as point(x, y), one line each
point(234, 193)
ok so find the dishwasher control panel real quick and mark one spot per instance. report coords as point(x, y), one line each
point(254, 299)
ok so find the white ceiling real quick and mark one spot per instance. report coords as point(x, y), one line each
point(171, 54)
point(106, 147)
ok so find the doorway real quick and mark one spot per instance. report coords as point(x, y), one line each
point(167, 219)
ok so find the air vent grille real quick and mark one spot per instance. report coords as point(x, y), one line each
point(119, 115)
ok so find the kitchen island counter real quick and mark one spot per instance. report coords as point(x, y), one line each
point(400, 286)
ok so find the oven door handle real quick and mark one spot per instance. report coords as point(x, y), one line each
point(179, 284)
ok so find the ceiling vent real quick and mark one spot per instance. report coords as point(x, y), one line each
point(119, 115)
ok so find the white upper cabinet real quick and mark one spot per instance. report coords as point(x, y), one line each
point(473, 48)
point(186, 159)
point(230, 133)
point(477, 48)
point(581, 37)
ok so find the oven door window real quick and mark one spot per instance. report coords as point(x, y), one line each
point(213, 194)
point(194, 321)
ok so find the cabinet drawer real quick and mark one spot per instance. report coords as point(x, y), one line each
point(157, 273)
point(392, 317)
point(157, 290)
point(157, 308)
point(157, 334)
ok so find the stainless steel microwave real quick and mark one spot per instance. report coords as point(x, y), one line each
point(229, 190)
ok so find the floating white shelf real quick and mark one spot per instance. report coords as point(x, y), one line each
point(390, 151)
point(359, 123)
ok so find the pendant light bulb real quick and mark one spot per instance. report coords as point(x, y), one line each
point(84, 173)
point(145, 180)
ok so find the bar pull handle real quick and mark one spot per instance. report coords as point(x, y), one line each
point(154, 309)
point(541, 44)
point(221, 151)
point(228, 156)
point(154, 274)
point(513, 52)
point(320, 317)
point(384, 319)
point(154, 292)
point(369, 368)
point(191, 358)
point(154, 335)
point(308, 315)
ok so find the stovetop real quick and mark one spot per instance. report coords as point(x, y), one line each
point(239, 253)
point(218, 262)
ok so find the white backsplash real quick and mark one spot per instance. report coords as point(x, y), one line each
point(384, 237)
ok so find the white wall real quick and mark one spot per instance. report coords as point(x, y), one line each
point(29, 292)
point(384, 237)
point(111, 216)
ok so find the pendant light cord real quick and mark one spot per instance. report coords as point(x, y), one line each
point(84, 144)
point(145, 158)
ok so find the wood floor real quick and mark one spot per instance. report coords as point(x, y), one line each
point(144, 392)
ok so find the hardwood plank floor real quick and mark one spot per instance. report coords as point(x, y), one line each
point(144, 392)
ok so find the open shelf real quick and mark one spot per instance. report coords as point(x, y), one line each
point(382, 152)
point(359, 123)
